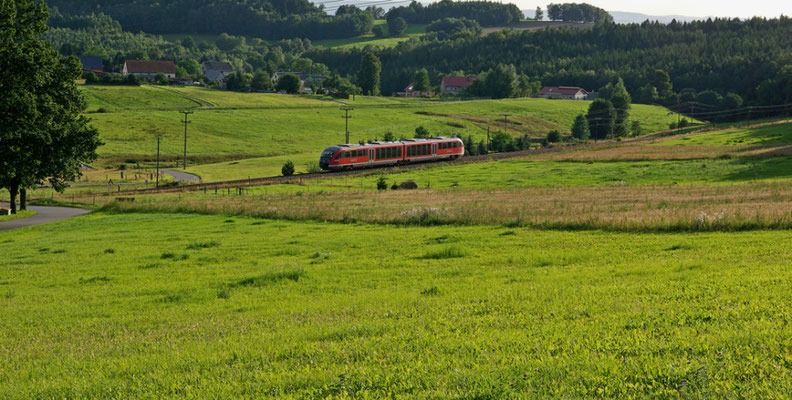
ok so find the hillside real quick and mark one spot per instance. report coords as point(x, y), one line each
point(236, 125)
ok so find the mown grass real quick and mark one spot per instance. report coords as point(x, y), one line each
point(19, 214)
point(412, 31)
point(524, 315)
point(766, 135)
point(128, 98)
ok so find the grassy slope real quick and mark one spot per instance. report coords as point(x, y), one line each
point(126, 98)
point(412, 31)
point(311, 310)
point(19, 214)
point(768, 135)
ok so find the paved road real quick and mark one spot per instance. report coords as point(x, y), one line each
point(180, 176)
point(44, 215)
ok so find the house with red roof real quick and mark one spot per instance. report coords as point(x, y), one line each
point(409, 91)
point(563, 92)
point(149, 69)
point(454, 85)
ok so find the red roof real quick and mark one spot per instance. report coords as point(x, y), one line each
point(458, 81)
point(563, 90)
point(150, 67)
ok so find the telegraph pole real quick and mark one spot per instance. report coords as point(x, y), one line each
point(158, 156)
point(346, 118)
point(186, 114)
point(505, 121)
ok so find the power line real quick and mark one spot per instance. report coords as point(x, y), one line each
point(346, 118)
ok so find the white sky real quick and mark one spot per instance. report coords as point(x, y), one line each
point(690, 8)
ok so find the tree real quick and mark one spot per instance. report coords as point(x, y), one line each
point(601, 119)
point(369, 74)
point(376, 12)
point(662, 82)
point(347, 9)
point(382, 184)
point(482, 147)
point(621, 101)
point(539, 15)
point(261, 81)
point(160, 79)
point(288, 168)
point(421, 132)
point(90, 78)
point(397, 26)
point(378, 31)
point(636, 128)
point(289, 83)
point(470, 148)
point(553, 136)
point(388, 136)
point(43, 136)
point(732, 101)
point(501, 82)
point(580, 128)
point(421, 81)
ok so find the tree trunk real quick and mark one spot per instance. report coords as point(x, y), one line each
point(23, 199)
point(13, 191)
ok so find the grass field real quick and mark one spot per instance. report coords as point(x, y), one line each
point(19, 214)
point(211, 306)
point(412, 31)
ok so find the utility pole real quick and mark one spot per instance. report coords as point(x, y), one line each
point(158, 156)
point(186, 114)
point(346, 118)
point(505, 121)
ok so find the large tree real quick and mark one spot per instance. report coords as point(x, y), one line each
point(369, 74)
point(421, 81)
point(600, 117)
point(43, 136)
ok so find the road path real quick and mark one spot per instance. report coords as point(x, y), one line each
point(180, 176)
point(44, 215)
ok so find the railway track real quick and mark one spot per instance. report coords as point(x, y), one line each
point(272, 180)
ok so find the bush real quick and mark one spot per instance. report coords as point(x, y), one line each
point(684, 123)
point(553, 136)
point(161, 79)
point(378, 31)
point(382, 184)
point(288, 168)
point(313, 167)
point(421, 132)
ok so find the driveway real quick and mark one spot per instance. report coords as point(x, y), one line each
point(44, 215)
point(180, 176)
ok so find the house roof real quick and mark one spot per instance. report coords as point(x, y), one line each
point(218, 66)
point(150, 67)
point(91, 62)
point(562, 90)
point(409, 88)
point(458, 81)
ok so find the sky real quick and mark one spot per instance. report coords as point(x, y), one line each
point(691, 8)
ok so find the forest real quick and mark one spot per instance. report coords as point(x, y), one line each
point(486, 13)
point(722, 55)
point(266, 19)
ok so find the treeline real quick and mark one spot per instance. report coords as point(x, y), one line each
point(578, 12)
point(267, 19)
point(722, 55)
point(486, 13)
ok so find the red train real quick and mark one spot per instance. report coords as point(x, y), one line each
point(374, 154)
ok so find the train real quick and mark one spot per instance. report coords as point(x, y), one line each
point(376, 154)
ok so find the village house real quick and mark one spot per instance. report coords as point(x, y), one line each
point(92, 63)
point(455, 85)
point(409, 92)
point(149, 69)
point(563, 92)
point(215, 71)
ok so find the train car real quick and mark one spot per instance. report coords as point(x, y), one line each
point(375, 154)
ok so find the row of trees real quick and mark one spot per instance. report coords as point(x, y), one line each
point(43, 136)
point(577, 12)
point(486, 13)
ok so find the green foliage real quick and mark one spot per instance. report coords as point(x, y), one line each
point(396, 26)
point(450, 27)
point(636, 128)
point(575, 12)
point(160, 79)
point(261, 81)
point(554, 136)
point(43, 137)
point(486, 13)
point(601, 116)
point(501, 141)
point(539, 14)
point(369, 74)
point(580, 129)
point(421, 132)
point(238, 81)
point(382, 183)
point(287, 169)
point(289, 83)
point(421, 81)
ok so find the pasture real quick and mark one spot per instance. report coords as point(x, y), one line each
point(212, 306)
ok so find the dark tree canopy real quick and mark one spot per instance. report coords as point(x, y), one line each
point(289, 83)
point(600, 118)
point(43, 136)
point(486, 13)
point(578, 12)
point(369, 74)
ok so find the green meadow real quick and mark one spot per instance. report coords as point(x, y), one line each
point(767, 135)
point(212, 306)
point(412, 31)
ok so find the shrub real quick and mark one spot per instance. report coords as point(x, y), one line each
point(313, 167)
point(288, 168)
point(382, 184)
point(160, 79)
point(554, 136)
point(421, 132)
point(684, 123)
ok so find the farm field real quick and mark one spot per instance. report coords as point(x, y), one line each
point(212, 306)
point(259, 125)
point(412, 31)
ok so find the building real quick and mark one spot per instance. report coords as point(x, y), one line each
point(409, 92)
point(455, 85)
point(92, 63)
point(563, 92)
point(305, 78)
point(149, 69)
point(214, 71)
